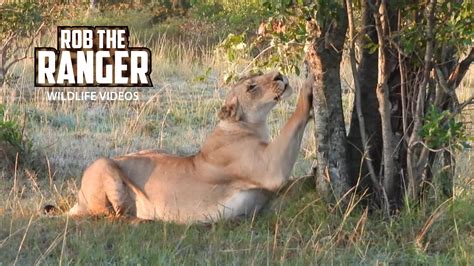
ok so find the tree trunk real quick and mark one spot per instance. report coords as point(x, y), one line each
point(324, 58)
point(367, 76)
point(390, 153)
point(392, 93)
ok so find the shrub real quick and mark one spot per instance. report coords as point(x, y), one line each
point(12, 141)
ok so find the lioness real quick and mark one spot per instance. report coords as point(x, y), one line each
point(233, 174)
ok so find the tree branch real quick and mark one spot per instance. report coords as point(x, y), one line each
point(26, 49)
point(444, 89)
point(401, 67)
point(460, 70)
point(463, 105)
point(414, 164)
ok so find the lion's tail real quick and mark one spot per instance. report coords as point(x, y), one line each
point(51, 210)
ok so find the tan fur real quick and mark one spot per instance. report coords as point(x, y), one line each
point(233, 175)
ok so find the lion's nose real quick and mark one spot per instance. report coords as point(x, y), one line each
point(278, 76)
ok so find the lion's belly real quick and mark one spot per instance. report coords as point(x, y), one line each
point(175, 193)
point(200, 209)
point(244, 203)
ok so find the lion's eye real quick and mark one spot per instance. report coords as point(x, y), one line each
point(278, 77)
point(252, 88)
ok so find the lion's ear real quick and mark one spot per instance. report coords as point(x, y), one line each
point(230, 110)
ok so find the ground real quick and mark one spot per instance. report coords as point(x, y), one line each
point(176, 115)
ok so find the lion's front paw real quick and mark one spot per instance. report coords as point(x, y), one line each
point(306, 95)
point(307, 89)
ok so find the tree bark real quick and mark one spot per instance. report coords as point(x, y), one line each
point(390, 166)
point(361, 125)
point(324, 57)
point(367, 75)
point(2, 72)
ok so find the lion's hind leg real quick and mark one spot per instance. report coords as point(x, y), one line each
point(103, 191)
point(117, 192)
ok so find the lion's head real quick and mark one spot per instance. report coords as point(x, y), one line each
point(252, 98)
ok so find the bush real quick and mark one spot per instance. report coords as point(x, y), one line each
point(12, 141)
point(9, 131)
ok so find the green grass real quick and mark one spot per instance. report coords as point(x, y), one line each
point(297, 228)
